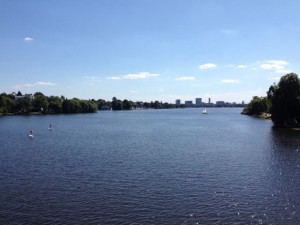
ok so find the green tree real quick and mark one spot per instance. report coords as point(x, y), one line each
point(38, 94)
point(24, 105)
point(257, 106)
point(92, 106)
point(127, 105)
point(285, 101)
point(3, 106)
point(40, 103)
point(10, 104)
point(55, 104)
point(116, 104)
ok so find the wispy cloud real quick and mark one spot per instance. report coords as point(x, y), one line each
point(41, 83)
point(134, 76)
point(142, 75)
point(113, 78)
point(273, 65)
point(37, 84)
point(241, 66)
point(28, 39)
point(185, 78)
point(207, 66)
point(277, 66)
point(133, 92)
point(230, 81)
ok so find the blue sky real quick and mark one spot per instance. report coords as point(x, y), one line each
point(148, 49)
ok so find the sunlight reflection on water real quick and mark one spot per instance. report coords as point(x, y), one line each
point(149, 167)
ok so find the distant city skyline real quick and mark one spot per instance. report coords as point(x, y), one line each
point(148, 50)
point(199, 102)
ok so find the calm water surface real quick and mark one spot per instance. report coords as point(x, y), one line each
point(148, 167)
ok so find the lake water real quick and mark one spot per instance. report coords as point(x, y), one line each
point(148, 167)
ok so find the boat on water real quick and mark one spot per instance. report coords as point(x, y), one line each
point(204, 111)
point(30, 134)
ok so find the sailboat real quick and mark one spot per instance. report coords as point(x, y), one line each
point(204, 111)
point(30, 134)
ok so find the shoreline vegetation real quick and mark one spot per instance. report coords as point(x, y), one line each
point(39, 104)
point(281, 105)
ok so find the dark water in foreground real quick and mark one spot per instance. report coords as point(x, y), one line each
point(148, 167)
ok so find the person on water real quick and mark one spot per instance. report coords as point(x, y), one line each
point(30, 132)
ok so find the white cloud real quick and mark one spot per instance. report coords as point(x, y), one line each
point(241, 66)
point(133, 91)
point(41, 83)
point(230, 81)
point(142, 75)
point(134, 76)
point(37, 84)
point(113, 78)
point(277, 66)
point(28, 39)
point(185, 78)
point(207, 66)
point(273, 65)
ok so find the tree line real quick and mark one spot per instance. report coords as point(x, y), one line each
point(41, 104)
point(282, 102)
point(118, 104)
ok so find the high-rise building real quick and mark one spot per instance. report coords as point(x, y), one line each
point(208, 100)
point(198, 101)
point(177, 102)
point(188, 103)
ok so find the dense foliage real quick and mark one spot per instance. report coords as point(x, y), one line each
point(282, 102)
point(285, 101)
point(118, 104)
point(257, 106)
point(41, 104)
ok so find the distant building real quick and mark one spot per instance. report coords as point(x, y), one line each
point(198, 101)
point(189, 103)
point(105, 107)
point(208, 100)
point(178, 102)
point(220, 103)
point(29, 96)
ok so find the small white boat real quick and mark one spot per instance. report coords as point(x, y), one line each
point(204, 111)
point(30, 134)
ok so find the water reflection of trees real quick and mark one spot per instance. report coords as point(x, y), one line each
point(283, 173)
point(285, 138)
